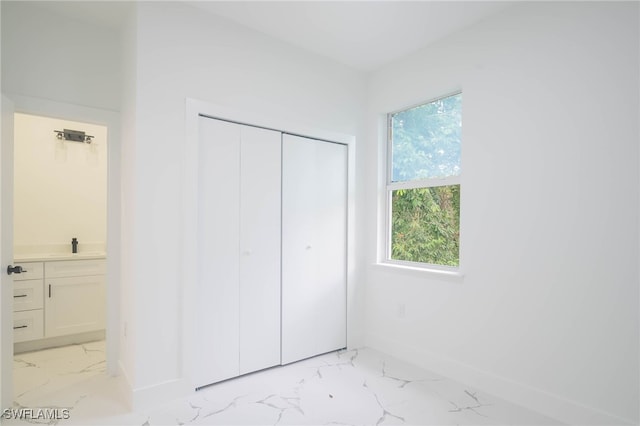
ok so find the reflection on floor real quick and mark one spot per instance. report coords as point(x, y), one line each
point(359, 387)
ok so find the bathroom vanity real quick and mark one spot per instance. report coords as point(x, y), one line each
point(59, 299)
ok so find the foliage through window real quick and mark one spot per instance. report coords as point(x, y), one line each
point(423, 183)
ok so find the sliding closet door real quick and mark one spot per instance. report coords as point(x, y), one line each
point(217, 328)
point(314, 248)
point(238, 325)
point(259, 249)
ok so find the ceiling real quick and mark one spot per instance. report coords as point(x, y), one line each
point(361, 34)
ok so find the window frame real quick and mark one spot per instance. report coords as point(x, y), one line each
point(391, 186)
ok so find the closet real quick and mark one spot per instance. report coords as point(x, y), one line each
point(272, 214)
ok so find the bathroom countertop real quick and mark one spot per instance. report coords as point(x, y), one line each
point(44, 257)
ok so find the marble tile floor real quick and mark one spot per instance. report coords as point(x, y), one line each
point(358, 387)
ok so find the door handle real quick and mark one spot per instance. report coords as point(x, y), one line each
point(15, 269)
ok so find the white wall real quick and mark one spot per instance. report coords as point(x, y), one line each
point(67, 67)
point(50, 56)
point(60, 187)
point(547, 314)
point(182, 53)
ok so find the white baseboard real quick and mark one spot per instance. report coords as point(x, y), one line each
point(152, 396)
point(126, 388)
point(54, 342)
point(146, 397)
point(554, 406)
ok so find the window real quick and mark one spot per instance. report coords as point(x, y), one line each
point(423, 184)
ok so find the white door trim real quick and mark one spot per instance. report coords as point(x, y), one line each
point(6, 255)
point(110, 119)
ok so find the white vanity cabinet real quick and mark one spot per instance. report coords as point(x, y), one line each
point(28, 302)
point(58, 298)
point(74, 299)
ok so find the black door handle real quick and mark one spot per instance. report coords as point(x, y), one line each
point(15, 269)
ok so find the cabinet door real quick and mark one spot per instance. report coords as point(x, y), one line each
point(259, 249)
point(314, 231)
point(74, 305)
point(217, 323)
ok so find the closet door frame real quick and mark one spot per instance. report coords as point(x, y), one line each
point(194, 110)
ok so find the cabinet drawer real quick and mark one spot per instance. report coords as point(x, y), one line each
point(30, 271)
point(75, 268)
point(27, 295)
point(28, 325)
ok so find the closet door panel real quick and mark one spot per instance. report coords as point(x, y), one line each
point(259, 249)
point(218, 251)
point(314, 218)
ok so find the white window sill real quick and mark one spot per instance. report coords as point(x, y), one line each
point(420, 272)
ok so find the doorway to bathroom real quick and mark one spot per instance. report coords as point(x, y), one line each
point(59, 243)
point(12, 104)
